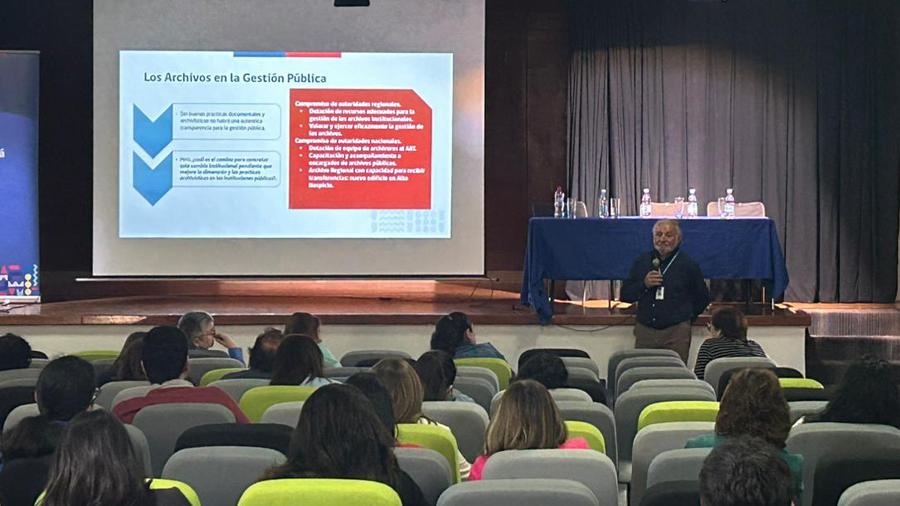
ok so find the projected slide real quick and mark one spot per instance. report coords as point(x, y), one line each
point(280, 144)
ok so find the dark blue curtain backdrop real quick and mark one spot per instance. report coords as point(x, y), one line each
point(795, 103)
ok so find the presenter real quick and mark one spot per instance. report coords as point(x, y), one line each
point(668, 287)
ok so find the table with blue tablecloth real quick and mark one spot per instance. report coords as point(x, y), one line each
point(594, 248)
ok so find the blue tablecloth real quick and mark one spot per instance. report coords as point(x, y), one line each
point(593, 248)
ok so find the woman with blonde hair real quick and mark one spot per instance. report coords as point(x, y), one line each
point(527, 419)
point(400, 379)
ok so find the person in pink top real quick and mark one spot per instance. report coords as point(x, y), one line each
point(527, 419)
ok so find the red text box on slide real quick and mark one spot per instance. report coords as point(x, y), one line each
point(359, 149)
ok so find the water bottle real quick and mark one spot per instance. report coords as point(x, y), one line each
point(692, 203)
point(559, 203)
point(729, 203)
point(603, 204)
point(646, 208)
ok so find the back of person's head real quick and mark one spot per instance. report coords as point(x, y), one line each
point(545, 368)
point(127, 366)
point(339, 436)
point(730, 322)
point(34, 436)
point(450, 332)
point(194, 324)
point(165, 352)
point(15, 352)
point(371, 387)
point(297, 359)
point(526, 419)
point(754, 405)
point(96, 464)
point(407, 393)
point(437, 372)
point(65, 388)
point(745, 471)
point(303, 323)
point(262, 355)
point(866, 394)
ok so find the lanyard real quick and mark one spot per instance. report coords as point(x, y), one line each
point(670, 263)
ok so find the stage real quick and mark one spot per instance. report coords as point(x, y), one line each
point(361, 313)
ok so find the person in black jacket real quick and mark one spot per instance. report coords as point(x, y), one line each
point(669, 290)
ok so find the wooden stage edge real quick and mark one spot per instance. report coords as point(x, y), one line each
point(336, 301)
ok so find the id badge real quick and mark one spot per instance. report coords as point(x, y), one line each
point(660, 293)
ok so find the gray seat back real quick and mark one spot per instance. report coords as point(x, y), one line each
point(570, 394)
point(872, 493)
point(583, 362)
point(815, 441)
point(197, 367)
point(682, 464)
point(467, 421)
point(285, 413)
point(592, 469)
point(614, 359)
point(629, 408)
point(596, 414)
point(655, 439)
point(141, 448)
point(716, 368)
point(805, 408)
point(131, 393)
point(235, 388)
point(108, 392)
point(18, 374)
point(220, 474)
point(674, 383)
point(163, 423)
point(658, 361)
point(479, 389)
point(428, 468)
point(541, 492)
point(635, 374)
point(582, 374)
point(39, 363)
point(478, 372)
point(18, 414)
point(353, 358)
point(344, 372)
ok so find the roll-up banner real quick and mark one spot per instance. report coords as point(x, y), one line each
point(19, 273)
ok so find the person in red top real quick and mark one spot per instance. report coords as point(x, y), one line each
point(165, 360)
point(527, 419)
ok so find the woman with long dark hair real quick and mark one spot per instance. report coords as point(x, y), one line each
point(340, 436)
point(866, 394)
point(728, 338)
point(309, 325)
point(95, 464)
point(455, 335)
point(298, 361)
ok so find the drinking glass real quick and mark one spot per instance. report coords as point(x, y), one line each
point(570, 208)
point(720, 205)
point(679, 207)
point(615, 204)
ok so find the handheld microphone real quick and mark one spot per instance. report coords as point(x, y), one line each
point(655, 264)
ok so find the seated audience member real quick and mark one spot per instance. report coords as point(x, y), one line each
point(15, 352)
point(64, 389)
point(745, 471)
point(164, 358)
point(298, 361)
point(438, 372)
point(340, 436)
point(526, 419)
point(96, 464)
point(308, 325)
point(407, 393)
point(728, 331)
point(454, 334)
point(866, 394)
point(545, 368)
point(200, 329)
point(753, 405)
point(371, 387)
point(127, 366)
point(262, 356)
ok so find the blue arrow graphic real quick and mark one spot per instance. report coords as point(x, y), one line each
point(151, 183)
point(153, 135)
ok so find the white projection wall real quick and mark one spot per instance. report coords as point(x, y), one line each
point(276, 137)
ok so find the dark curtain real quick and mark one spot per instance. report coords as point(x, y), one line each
point(791, 102)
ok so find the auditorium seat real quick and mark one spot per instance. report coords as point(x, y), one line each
point(19, 375)
point(18, 414)
point(428, 468)
point(479, 372)
point(560, 352)
point(162, 424)
point(787, 383)
point(657, 361)
point(263, 435)
point(141, 448)
point(108, 392)
point(368, 358)
point(682, 464)
point(596, 414)
point(434, 437)
point(677, 411)
point(872, 493)
point(583, 362)
point(594, 470)
point(479, 389)
point(102, 366)
point(197, 367)
point(588, 432)
point(217, 374)
point(570, 394)
point(674, 493)
point(221, 474)
point(498, 366)
point(686, 384)
point(257, 400)
point(235, 388)
point(806, 408)
point(635, 374)
point(189, 493)
point(467, 421)
point(91, 355)
point(14, 396)
point(834, 475)
point(38, 363)
point(718, 367)
point(621, 355)
point(319, 492)
point(518, 492)
point(652, 441)
point(285, 413)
